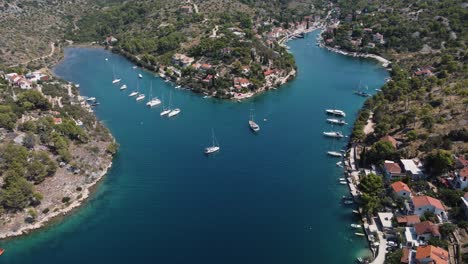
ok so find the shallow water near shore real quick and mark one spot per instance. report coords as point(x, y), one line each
point(272, 197)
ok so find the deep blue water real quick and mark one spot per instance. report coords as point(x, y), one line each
point(266, 198)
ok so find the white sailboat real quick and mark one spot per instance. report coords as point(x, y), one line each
point(123, 87)
point(115, 80)
point(152, 101)
point(174, 112)
point(335, 112)
point(140, 97)
point(134, 93)
point(254, 126)
point(334, 153)
point(214, 147)
point(165, 110)
point(336, 121)
point(333, 134)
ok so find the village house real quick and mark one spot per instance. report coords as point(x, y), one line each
point(110, 40)
point(413, 168)
point(425, 72)
point(205, 67)
point(57, 120)
point(186, 9)
point(386, 220)
point(182, 60)
point(426, 230)
point(392, 170)
point(431, 255)
point(422, 204)
point(461, 179)
point(408, 220)
point(378, 38)
point(400, 189)
point(371, 45)
point(240, 83)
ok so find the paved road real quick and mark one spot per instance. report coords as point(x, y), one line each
point(380, 259)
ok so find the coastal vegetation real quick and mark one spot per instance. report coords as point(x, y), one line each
point(49, 140)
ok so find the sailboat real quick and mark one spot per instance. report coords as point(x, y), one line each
point(361, 93)
point(173, 112)
point(123, 87)
point(335, 112)
point(115, 80)
point(254, 126)
point(140, 97)
point(134, 93)
point(336, 121)
point(334, 153)
point(214, 147)
point(168, 110)
point(333, 134)
point(152, 101)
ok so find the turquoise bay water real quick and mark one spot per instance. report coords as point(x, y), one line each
point(266, 198)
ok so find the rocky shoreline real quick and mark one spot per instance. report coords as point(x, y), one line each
point(85, 194)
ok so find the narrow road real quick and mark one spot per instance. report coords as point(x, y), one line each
point(52, 50)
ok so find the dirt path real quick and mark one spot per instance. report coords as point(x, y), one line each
point(52, 51)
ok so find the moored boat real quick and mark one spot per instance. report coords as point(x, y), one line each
point(174, 112)
point(123, 87)
point(334, 154)
point(336, 121)
point(214, 147)
point(335, 112)
point(253, 126)
point(333, 134)
point(356, 226)
point(134, 93)
point(140, 76)
point(140, 97)
point(2, 251)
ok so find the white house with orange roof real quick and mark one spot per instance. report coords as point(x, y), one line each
point(400, 189)
point(431, 255)
point(422, 204)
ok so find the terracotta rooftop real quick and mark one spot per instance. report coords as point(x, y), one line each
point(436, 254)
point(405, 256)
point(427, 227)
point(420, 201)
point(405, 219)
point(392, 167)
point(400, 186)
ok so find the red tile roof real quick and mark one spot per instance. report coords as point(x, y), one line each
point(436, 254)
point(408, 219)
point(400, 186)
point(427, 227)
point(392, 167)
point(420, 201)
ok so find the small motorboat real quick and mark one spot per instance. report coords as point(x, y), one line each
point(355, 226)
point(2, 251)
point(140, 76)
point(359, 234)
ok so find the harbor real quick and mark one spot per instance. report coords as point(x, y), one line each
point(261, 192)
